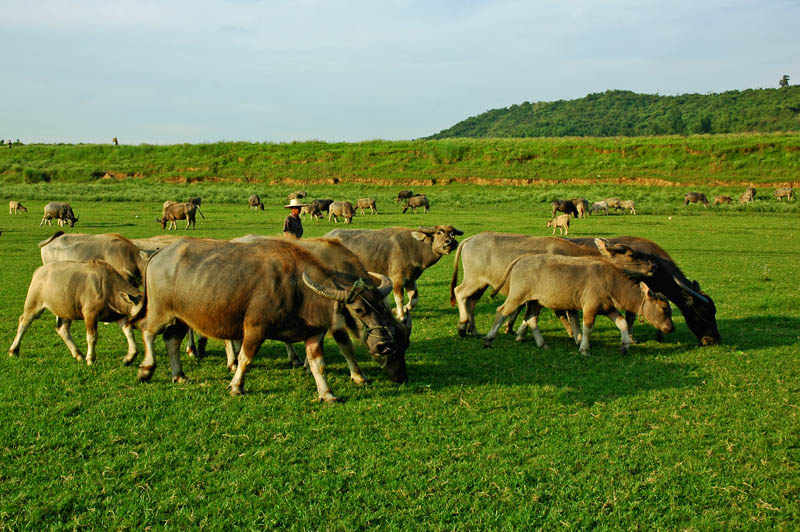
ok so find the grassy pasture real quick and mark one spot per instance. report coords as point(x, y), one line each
point(668, 437)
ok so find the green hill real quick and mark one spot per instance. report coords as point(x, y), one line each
point(625, 113)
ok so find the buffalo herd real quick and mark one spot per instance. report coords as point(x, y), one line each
point(254, 288)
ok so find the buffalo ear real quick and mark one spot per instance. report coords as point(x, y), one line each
point(646, 289)
point(419, 235)
point(457, 232)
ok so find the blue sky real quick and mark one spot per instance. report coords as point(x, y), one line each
point(166, 72)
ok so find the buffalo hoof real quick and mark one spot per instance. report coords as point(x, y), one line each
point(329, 398)
point(296, 363)
point(708, 340)
point(584, 352)
point(462, 331)
point(145, 373)
point(235, 391)
point(180, 378)
point(487, 344)
point(544, 347)
point(129, 358)
point(14, 353)
point(359, 380)
point(623, 350)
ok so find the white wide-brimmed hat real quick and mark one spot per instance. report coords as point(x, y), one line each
point(295, 203)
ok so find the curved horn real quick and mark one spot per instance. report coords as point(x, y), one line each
point(427, 230)
point(385, 285)
point(457, 232)
point(335, 294)
point(690, 290)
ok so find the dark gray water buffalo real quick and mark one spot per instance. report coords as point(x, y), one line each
point(196, 201)
point(254, 201)
point(91, 291)
point(61, 211)
point(592, 285)
point(14, 207)
point(322, 204)
point(403, 195)
point(401, 253)
point(122, 254)
point(270, 289)
point(414, 202)
point(485, 256)
point(341, 208)
point(695, 197)
point(178, 211)
point(366, 203)
point(565, 206)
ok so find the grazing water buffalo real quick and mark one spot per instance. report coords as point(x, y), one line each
point(589, 284)
point(403, 195)
point(401, 253)
point(485, 257)
point(627, 204)
point(748, 196)
point(322, 204)
point(312, 210)
point(269, 289)
point(254, 201)
point(61, 211)
point(341, 208)
point(91, 291)
point(695, 197)
point(300, 194)
point(14, 207)
point(178, 211)
point(582, 206)
point(612, 203)
point(196, 201)
point(722, 199)
point(786, 192)
point(599, 206)
point(565, 206)
point(420, 200)
point(561, 221)
point(367, 203)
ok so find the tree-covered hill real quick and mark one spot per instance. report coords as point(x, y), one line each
point(625, 113)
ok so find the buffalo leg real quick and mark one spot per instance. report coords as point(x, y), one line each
point(397, 289)
point(622, 325)
point(413, 295)
point(588, 325)
point(511, 320)
point(346, 347)
point(316, 363)
point(24, 322)
point(253, 338)
point(91, 338)
point(232, 348)
point(62, 328)
point(196, 348)
point(127, 330)
point(173, 336)
point(291, 356)
point(501, 316)
point(574, 327)
point(467, 296)
point(532, 321)
point(148, 365)
point(630, 318)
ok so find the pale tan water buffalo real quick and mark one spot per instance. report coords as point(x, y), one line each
point(561, 221)
point(722, 199)
point(254, 201)
point(401, 253)
point(91, 291)
point(61, 211)
point(173, 211)
point(592, 285)
point(748, 196)
point(14, 207)
point(269, 289)
point(300, 194)
point(485, 257)
point(627, 204)
point(414, 202)
point(786, 192)
point(366, 203)
point(341, 208)
point(599, 206)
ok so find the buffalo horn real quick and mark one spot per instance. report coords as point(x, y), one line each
point(457, 232)
point(427, 230)
point(335, 294)
point(385, 285)
point(691, 291)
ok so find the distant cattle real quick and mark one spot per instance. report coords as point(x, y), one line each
point(341, 208)
point(599, 206)
point(254, 201)
point(403, 195)
point(14, 207)
point(178, 211)
point(366, 203)
point(61, 211)
point(721, 199)
point(312, 210)
point(420, 200)
point(565, 206)
point(748, 195)
point(786, 192)
point(196, 201)
point(582, 206)
point(561, 221)
point(695, 197)
point(627, 204)
point(322, 204)
point(297, 195)
point(91, 291)
point(613, 203)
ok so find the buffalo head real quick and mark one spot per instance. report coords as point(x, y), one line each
point(441, 238)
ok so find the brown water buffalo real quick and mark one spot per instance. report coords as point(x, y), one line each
point(401, 253)
point(341, 208)
point(592, 285)
point(366, 203)
point(561, 221)
point(403, 195)
point(722, 199)
point(61, 211)
point(311, 210)
point(485, 257)
point(91, 291)
point(748, 196)
point(266, 289)
point(627, 204)
point(420, 200)
point(299, 194)
point(14, 207)
point(122, 254)
point(786, 192)
point(695, 197)
point(254, 201)
point(565, 206)
point(173, 211)
point(581, 206)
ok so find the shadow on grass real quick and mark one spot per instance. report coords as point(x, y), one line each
point(759, 332)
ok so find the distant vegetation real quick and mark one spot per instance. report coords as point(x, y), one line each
point(625, 113)
point(696, 159)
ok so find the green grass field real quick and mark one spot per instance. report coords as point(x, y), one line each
point(668, 437)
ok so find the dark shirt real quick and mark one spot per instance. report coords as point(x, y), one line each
point(293, 225)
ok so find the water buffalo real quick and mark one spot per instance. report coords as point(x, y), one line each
point(627, 204)
point(592, 285)
point(322, 204)
point(786, 192)
point(61, 211)
point(403, 195)
point(401, 253)
point(420, 200)
point(196, 201)
point(561, 221)
point(722, 199)
point(341, 208)
point(178, 211)
point(254, 201)
point(599, 206)
point(582, 206)
point(565, 206)
point(14, 207)
point(485, 257)
point(269, 289)
point(367, 203)
point(300, 194)
point(91, 291)
point(748, 195)
point(695, 197)
point(311, 210)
